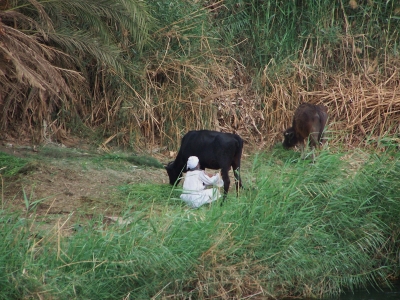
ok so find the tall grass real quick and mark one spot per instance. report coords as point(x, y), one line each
point(275, 31)
point(300, 229)
point(313, 230)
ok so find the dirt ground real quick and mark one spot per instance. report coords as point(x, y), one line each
point(60, 184)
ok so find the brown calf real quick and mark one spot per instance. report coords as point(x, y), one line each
point(308, 123)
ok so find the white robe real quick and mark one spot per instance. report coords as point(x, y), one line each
point(195, 193)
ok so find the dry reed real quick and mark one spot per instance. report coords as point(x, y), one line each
point(362, 96)
point(215, 91)
point(361, 106)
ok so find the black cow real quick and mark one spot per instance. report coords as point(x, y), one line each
point(309, 121)
point(215, 150)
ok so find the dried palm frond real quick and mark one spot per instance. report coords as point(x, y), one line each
point(28, 61)
point(27, 66)
point(59, 60)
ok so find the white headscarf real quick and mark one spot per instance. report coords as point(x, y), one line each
point(192, 162)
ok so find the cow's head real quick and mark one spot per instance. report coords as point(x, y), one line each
point(173, 173)
point(290, 139)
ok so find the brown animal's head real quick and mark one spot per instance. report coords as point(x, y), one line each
point(290, 139)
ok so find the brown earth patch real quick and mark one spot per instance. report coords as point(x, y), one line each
point(63, 184)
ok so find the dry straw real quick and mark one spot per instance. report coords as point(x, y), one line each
point(362, 96)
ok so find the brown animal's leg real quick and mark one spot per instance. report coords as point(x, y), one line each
point(314, 139)
point(313, 154)
point(314, 143)
point(301, 146)
point(303, 150)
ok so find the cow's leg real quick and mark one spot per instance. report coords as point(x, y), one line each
point(314, 143)
point(236, 174)
point(238, 180)
point(301, 146)
point(302, 150)
point(314, 139)
point(227, 181)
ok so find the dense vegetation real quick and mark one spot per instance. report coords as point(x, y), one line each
point(138, 73)
point(298, 230)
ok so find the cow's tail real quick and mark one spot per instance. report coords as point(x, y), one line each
point(237, 158)
point(239, 149)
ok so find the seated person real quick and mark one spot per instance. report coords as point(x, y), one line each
point(195, 193)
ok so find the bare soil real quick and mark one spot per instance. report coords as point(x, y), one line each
point(60, 183)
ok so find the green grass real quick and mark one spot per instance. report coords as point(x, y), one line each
point(300, 229)
point(321, 227)
point(275, 31)
point(11, 165)
point(140, 160)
